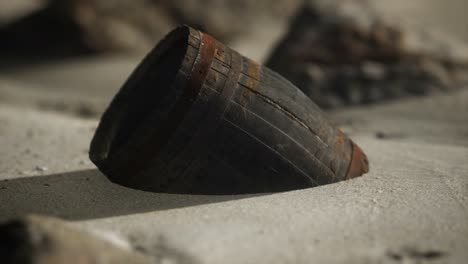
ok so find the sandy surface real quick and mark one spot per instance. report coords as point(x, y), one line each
point(80, 87)
point(411, 207)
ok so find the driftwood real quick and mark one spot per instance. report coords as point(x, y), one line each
point(197, 117)
point(346, 53)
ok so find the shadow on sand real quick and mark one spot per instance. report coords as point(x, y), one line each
point(88, 194)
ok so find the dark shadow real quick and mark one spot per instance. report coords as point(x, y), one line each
point(88, 194)
point(46, 35)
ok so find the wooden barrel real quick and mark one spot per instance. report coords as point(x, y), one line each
point(197, 117)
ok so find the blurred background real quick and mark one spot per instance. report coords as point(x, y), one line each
point(391, 74)
point(71, 56)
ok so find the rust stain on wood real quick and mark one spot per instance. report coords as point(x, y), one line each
point(252, 80)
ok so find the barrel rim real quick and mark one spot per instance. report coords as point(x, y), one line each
point(101, 144)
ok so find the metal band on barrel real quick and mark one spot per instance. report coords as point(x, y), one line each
point(358, 164)
point(202, 64)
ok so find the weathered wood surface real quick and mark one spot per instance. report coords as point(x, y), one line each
point(220, 123)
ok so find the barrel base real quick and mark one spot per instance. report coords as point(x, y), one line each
point(359, 164)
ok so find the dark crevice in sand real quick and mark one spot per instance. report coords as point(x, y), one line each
point(415, 254)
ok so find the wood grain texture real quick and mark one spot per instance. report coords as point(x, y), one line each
point(236, 127)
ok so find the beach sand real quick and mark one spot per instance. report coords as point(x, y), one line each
point(412, 205)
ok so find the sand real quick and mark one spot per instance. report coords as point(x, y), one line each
point(411, 207)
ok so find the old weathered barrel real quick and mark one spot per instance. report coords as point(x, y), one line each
point(197, 117)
